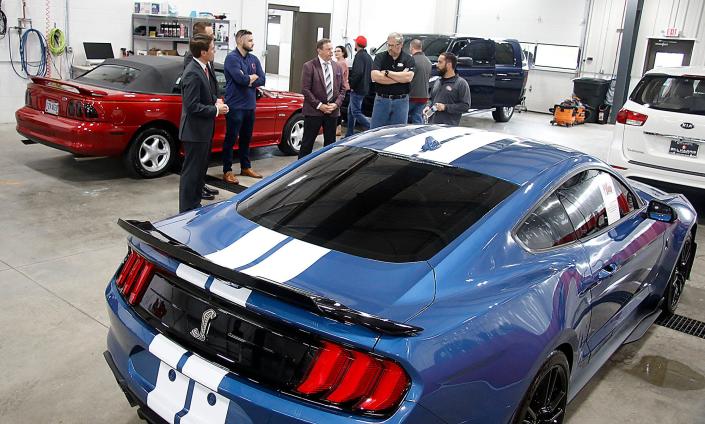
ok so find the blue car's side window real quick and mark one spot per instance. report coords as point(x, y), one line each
point(547, 226)
point(582, 199)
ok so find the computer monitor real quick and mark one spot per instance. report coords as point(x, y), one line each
point(96, 53)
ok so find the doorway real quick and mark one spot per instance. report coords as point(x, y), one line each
point(280, 25)
point(308, 29)
point(667, 52)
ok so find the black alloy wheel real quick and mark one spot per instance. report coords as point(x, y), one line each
point(547, 397)
point(676, 284)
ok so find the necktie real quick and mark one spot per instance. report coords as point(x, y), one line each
point(329, 81)
point(206, 70)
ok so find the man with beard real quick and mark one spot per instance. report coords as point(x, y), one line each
point(450, 95)
point(243, 74)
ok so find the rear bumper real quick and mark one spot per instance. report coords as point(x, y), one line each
point(646, 171)
point(142, 372)
point(78, 137)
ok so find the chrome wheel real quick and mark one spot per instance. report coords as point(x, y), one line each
point(508, 111)
point(296, 135)
point(154, 153)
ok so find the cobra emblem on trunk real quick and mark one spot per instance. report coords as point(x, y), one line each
point(201, 334)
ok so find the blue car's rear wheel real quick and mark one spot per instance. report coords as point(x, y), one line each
point(676, 284)
point(546, 399)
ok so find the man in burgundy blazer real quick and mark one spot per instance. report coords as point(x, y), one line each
point(322, 87)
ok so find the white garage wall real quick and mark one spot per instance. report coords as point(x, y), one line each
point(604, 33)
point(537, 21)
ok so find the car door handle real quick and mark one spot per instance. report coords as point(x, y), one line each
point(487, 75)
point(607, 271)
point(502, 75)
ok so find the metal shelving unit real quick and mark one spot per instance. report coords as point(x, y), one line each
point(156, 20)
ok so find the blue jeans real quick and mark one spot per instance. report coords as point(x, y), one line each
point(239, 124)
point(355, 113)
point(416, 112)
point(389, 111)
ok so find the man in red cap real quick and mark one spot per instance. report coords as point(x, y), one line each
point(359, 86)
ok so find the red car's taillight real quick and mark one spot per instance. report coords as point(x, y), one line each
point(628, 117)
point(134, 276)
point(345, 376)
point(80, 110)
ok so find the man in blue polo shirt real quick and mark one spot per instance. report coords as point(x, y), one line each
point(243, 74)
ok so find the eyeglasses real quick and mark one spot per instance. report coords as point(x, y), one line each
point(394, 45)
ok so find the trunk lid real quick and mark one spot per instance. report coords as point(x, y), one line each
point(393, 291)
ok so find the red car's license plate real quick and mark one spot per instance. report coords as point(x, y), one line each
point(52, 107)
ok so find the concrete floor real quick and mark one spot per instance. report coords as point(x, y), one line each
point(59, 245)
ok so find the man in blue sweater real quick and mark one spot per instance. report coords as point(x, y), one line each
point(243, 74)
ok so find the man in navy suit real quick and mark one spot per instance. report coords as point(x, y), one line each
point(322, 87)
point(199, 108)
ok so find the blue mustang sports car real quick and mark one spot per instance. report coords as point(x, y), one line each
point(417, 274)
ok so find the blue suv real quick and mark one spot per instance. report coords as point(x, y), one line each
point(496, 70)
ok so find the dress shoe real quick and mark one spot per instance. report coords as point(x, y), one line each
point(210, 190)
point(248, 172)
point(207, 196)
point(230, 178)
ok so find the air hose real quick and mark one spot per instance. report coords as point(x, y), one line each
point(56, 41)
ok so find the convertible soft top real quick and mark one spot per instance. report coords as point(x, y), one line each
point(157, 74)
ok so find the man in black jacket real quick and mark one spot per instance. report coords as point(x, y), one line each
point(202, 27)
point(359, 86)
point(200, 106)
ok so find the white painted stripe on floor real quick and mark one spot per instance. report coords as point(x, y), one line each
point(236, 295)
point(461, 146)
point(412, 145)
point(286, 263)
point(247, 248)
point(204, 372)
point(192, 275)
point(166, 350)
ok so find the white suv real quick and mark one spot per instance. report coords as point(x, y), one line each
point(660, 131)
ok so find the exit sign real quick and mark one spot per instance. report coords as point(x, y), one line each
point(671, 32)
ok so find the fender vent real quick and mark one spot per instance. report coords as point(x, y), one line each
point(683, 324)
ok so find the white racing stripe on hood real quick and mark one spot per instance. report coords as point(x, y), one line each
point(289, 261)
point(461, 146)
point(412, 145)
point(247, 248)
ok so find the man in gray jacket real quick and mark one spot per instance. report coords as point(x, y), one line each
point(450, 95)
point(418, 95)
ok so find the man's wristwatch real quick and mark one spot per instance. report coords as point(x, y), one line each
point(386, 73)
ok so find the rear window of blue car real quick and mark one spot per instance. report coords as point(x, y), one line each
point(374, 205)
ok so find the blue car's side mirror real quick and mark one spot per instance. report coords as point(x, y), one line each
point(660, 211)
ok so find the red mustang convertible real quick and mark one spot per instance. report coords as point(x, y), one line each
point(131, 107)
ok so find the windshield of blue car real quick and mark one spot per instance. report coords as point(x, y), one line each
point(684, 94)
point(374, 205)
point(433, 45)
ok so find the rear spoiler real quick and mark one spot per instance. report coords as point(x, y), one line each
point(146, 232)
point(50, 82)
